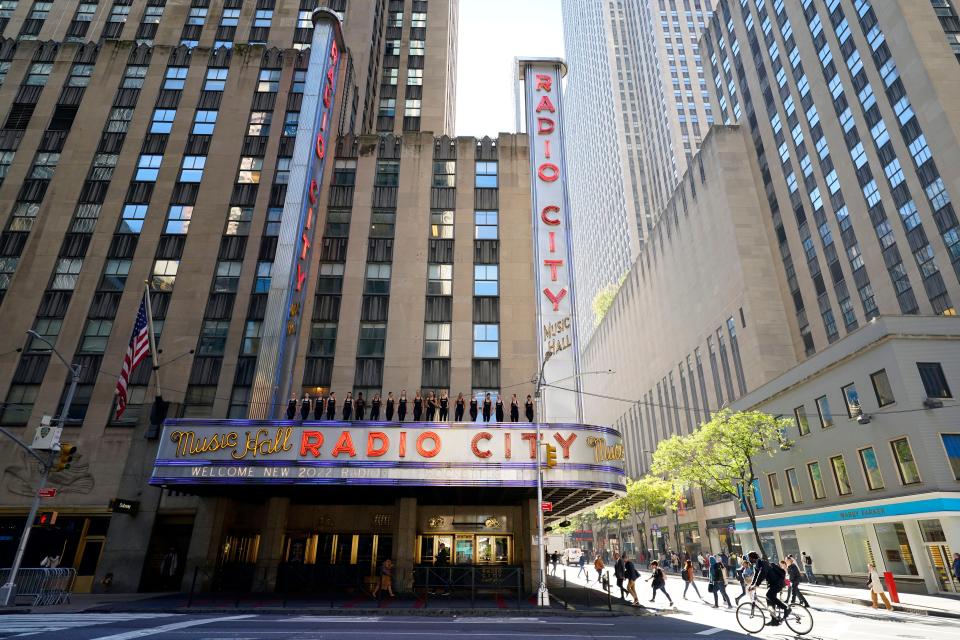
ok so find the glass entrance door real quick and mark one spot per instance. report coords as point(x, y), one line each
point(939, 555)
point(464, 550)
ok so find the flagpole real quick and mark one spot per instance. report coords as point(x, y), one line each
point(154, 356)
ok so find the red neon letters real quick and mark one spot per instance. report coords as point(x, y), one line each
point(549, 172)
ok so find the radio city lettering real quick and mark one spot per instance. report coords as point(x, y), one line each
point(547, 172)
point(604, 452)
point(556, 335)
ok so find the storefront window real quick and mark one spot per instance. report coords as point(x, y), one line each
point(492, 549)
point(465, 549)
point(932, 531)
point(859, 551)
point(769, 546)
point(789, 544)
point(895, 548)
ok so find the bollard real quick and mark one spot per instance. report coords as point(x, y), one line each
point(891, 586)
point(564, 578)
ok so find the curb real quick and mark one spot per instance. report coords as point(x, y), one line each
point(933, 613)
point(424, 612)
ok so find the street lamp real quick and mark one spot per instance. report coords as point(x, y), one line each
point(543, 596)
point(8, 591)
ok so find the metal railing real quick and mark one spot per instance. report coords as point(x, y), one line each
point(43, 586)
point(433, 581)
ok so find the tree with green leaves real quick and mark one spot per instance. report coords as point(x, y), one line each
point(719, 456)
point(615, 511)
point(649, 496)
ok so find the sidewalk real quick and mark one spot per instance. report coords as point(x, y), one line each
point(919, 604)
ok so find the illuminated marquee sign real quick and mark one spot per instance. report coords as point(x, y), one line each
point(458, 454)
point(554, 259)
point(291, 268)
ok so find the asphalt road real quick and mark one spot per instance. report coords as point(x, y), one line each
point(91, 626)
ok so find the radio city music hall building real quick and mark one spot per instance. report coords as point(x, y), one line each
point(286, 181)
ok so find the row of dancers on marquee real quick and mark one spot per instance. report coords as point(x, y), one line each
point(429, 408)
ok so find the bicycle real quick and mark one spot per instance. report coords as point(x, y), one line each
point(753, 617)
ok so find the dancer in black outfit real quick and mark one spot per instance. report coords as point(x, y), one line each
point(305, 407)
point(332, 406)
point(458, 408)
point(360, 406)
point(499, 409)
point(431, 406)
point(444, 406)
point(514, 409)
point(417, 406)
point(402, 406)
point(487, 408)
point(348, 407)
point(390, 404)
point(292, 406)
point(375, 408)
point(473, 409)
point(319, 406)
point(528, 407)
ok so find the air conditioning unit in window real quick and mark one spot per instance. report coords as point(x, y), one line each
point(932, 403)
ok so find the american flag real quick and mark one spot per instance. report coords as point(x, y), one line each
point(137, 350)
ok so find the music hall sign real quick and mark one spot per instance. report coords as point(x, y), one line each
point(378, 453)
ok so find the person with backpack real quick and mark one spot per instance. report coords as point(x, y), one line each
point(795, 579)
point(658, 582)
point(718, 582)
point(631, 574)
point(808, 567)
point(775, 578)
point(688, 576)
point(619, 572)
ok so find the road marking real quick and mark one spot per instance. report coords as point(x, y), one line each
point(455, 620)
point(142, 633)
point(710, 632)
point(32, 624)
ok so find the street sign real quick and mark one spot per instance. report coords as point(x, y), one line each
point(130, 507)
point(47, 492)
point(546, 506)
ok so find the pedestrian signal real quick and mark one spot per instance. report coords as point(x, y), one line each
point(551, 456)
point(45, 519)
point(65, 457)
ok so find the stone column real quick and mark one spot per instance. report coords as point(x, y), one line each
point(526, 553)
point(404, 544)
point(212, 516)
point(271, 543)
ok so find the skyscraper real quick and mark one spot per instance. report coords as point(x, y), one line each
point(639, 107)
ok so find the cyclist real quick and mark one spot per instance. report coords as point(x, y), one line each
point(776, 579)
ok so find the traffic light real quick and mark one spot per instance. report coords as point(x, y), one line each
point(45, 519)
point(551, 461)
point(65, 456)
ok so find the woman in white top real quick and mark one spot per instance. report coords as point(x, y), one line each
point(875, 583)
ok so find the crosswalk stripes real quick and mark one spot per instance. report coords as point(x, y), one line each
point(22, 625)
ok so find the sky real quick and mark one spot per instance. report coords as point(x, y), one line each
point(492, 33)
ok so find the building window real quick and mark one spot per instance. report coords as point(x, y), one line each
point(852, 400)
point(485, 225)
point(119, 13)
point(44, 166)
point(881, 388)
point(373, 338)
point(115, 274)
point(436, 340)
point(906, 465)
point(251, 338)
point(8, 267)
point(263, 18)
point(132, 218)
point(871, 468)
point(330, 278)
point(418, 20)
point(388, 108)
point(230, 18)
point(390, 77)
point(441, 224)
point(152, 15)
point(338, 223)
point(162, 121)
point(411, 108)
point(793, 484)
point(95, 336)
point(239, 402)
point(262, 283)
point(38, 74)
point(388, 173)
point(414, 77)
point(816, 480)
point(486, 176)
point(934, 382)
point(66, 273)
point(486, 341)
point(382, 223)
point(269, 81)
point(803, 425)
point(951, 444)
point(323, 339)
point(416, 47)
point(175, 78)
point(228, 276)
point(178, 219)
point(439, 279)
point(119, 120)
point(19, 404)
point(238, 221)
point(378, 279)
point(80, 75)
point(344, 172)
point(250, 170)
point(281, 173)
point(485, 280)
point(6, 159)
point(204, 122)
point(216, 79)
point(259, 123)
point(291, 120)
point(197, 16)
point(164, 275)
point(299, 81)
point(213, 337)
point(445, 173)
point(49, 329)
point(305, 20)
point(192, 170)
point(774, 482)
point(148, 167)
point(840, 476)
point(823, 410)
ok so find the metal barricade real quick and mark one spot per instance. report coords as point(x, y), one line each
point(43, 586)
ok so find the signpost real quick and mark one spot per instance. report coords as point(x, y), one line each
point(546, 506)
point(47, 492)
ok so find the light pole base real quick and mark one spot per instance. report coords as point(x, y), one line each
point(543, 596)
point(8, 594)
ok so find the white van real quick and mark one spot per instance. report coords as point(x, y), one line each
point(572, 556)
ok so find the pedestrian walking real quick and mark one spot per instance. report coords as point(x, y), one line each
point(583, 567)
point(619, 572)
point(808, 567)
point(385, 583)
point(631, 574)
point(744, 575)
point(875, 584)
point(795, 579)
point(718, 582)
point(658, 582)
point(555, 560)
point(598, 565)
point(688, 574)
point(956, 566)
